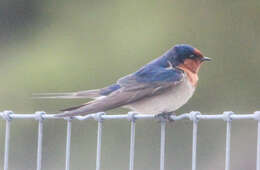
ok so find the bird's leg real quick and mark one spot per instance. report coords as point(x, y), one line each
point(165, 116)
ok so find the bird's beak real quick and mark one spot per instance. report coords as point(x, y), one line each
point(205, 59)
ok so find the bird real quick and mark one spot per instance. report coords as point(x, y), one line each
point(160, 87)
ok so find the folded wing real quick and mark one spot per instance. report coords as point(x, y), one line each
point(144, 83)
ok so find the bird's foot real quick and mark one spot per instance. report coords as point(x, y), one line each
point(165, 116)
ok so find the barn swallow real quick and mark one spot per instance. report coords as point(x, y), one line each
point(160, 87)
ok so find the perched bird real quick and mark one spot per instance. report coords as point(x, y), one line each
point(160, 87)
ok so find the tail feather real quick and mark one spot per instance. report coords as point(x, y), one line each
point(97, 105)
point(91, 94)
point(71, 111)
point(72, 108)
point(64, 114)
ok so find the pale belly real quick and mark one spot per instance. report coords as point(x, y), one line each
point(168, 101)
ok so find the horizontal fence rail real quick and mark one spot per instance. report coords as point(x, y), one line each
point(132, 117)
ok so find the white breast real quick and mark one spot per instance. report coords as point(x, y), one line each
point(168, 101)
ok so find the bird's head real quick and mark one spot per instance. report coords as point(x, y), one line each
point(186, 57)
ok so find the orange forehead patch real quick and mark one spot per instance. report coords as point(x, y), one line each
point(197, 52)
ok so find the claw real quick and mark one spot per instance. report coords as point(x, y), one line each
point(166, 116)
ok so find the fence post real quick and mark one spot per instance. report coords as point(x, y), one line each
point(7, 117)
point(39, 117)
point(132, 119)
point(162, 145)
point(228, 119)
point(100, 120)
point(194, 118)
point(68, 141)
point(257, 117)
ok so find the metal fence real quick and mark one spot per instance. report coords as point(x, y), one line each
point(194, 116)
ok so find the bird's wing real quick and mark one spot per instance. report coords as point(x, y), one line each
point(133, 87)
point(91, 94)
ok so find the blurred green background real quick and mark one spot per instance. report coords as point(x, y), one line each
point(57, 46)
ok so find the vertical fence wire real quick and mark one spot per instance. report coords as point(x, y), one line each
point(132, 144)
point(194, 144)
point(194, 117)
point(99, 140)
point(258, 147)
point(227, 118)
point(68, 144)
point(162, 149)
point(40, 137)
point(7, 141)
point(228, 138)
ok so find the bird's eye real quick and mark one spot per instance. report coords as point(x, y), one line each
point(192, 56)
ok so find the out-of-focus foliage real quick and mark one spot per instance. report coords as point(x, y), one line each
point(55, 46)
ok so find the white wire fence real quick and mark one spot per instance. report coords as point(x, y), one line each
point(194, 116)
